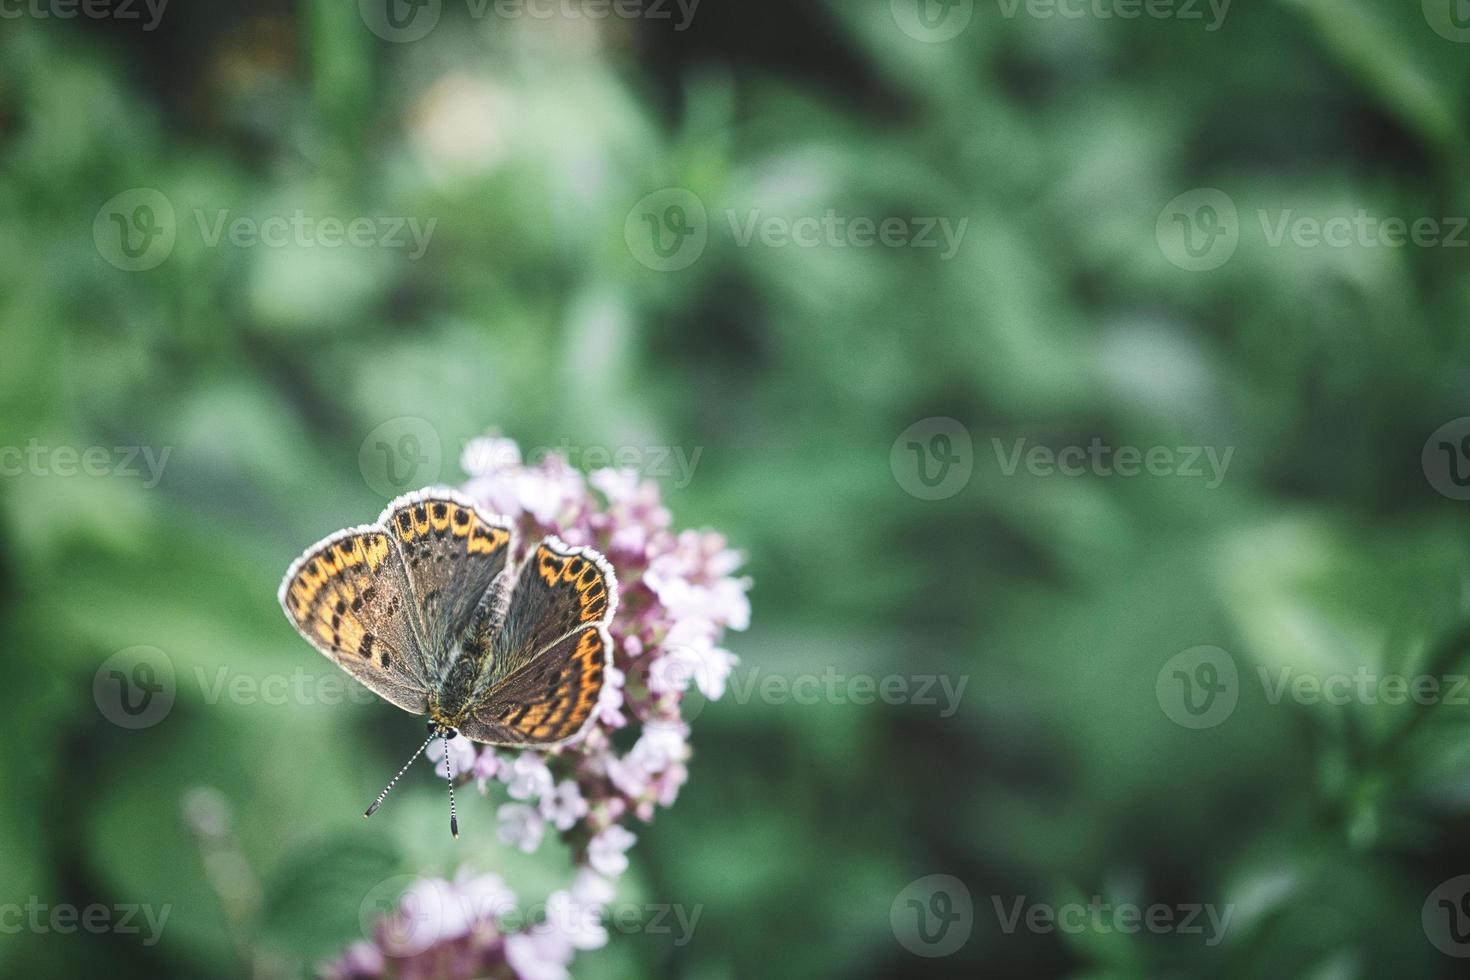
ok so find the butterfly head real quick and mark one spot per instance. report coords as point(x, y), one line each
point(440, 730)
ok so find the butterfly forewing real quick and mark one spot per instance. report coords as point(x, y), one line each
point(348, 595)
point(451, 553)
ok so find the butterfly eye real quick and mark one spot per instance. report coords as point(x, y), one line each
point(433, 727)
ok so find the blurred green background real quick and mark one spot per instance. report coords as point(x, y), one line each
point(1334, 543)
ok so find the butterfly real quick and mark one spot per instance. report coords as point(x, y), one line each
point(429, 609)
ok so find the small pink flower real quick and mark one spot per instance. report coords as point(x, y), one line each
point(590, 888)
point(610, 700)
point(618, 486)
point(520, 826)
point(527, 777)
point(485, 896)
point(669, 782)
point(538, 955)
point(606, 853)
point(579, 922)
point(362, 959)
point(490, 455)
point(487, 765)
point(463, 755)
point(690, 655)
point(564, 806)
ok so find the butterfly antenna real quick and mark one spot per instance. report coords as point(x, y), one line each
point(449, 771)
point(379, 801)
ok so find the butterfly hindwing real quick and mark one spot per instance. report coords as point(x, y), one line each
point(549, 654)
point(558, 590)
point(348, 596)
point(451, 553)
point(549, 699)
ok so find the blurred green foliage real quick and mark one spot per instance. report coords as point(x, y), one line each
point(1061, 320)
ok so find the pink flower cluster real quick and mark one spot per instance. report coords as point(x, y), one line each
point(679, 593)
point(473, 927)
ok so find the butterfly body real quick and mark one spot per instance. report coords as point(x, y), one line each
point(469, 661)
point(450, 701)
